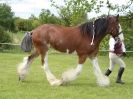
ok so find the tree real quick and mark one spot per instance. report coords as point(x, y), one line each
point(47, 17)
point(4, 37)
point(23, 24)
point(74, 11)
point(6, 17)
point(34, 21)
point(125, 8)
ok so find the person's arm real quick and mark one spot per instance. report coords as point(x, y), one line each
point(111, 44)
point(123, 47)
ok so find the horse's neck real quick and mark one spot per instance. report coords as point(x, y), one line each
point(99, 38)
point(101, 31)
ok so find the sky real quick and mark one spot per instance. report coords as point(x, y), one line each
point(24, 8)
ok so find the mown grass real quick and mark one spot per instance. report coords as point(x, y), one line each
point(36, 86)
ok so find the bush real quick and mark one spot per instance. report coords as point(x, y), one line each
point(128, 39)
point(4, 37)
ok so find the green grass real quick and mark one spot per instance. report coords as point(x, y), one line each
point(36, 86)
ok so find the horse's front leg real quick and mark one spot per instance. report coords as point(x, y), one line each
point(101, 79)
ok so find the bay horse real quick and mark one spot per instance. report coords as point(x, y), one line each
point(84, 39)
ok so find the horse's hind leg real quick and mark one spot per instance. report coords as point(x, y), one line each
point(23, 67)
point(49, 75)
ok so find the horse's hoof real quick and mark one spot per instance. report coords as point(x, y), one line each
point(103, 81)
point(56, 83)
point(21, 78)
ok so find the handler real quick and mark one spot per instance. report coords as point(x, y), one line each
point(116, 52)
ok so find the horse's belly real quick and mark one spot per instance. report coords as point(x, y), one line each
point(63, 48)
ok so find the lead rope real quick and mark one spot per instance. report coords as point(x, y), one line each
point(92, 41)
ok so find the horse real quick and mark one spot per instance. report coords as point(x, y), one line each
point(83, 39)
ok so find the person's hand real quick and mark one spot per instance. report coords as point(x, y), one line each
point(120, 55)
point(124, 54)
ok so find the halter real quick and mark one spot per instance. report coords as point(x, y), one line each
point(120, 31)
point(118, 34)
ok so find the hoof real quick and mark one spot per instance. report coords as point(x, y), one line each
point(56, 82)
point(103, 81)
point(21, 78)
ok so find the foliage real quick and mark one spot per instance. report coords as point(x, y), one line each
point(23, 24)
point(127, 26)
point(74, 11)
point(4, 36)
point(129, 39)
point(47, 17)
point(6, 17)
point(125, 8)
point(34, 21)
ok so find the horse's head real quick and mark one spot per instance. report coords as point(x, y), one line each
point(113, 25)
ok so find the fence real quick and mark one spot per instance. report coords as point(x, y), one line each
point(15, 48)
point(10, 48)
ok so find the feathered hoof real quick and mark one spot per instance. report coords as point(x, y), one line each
point(69, 75)
point(103, 81)
point(21, 78)
point(56, 82)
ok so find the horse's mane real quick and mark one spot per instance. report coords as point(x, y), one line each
point(100, 26)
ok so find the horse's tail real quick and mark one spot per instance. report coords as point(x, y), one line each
point(26, 44)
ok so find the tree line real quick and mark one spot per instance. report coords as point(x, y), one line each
point(73, 12)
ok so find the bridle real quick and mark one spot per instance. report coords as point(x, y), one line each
point(117, 36)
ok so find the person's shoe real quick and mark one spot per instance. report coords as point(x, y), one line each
point(120, 82)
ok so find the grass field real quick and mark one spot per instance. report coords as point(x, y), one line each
point(84, 87)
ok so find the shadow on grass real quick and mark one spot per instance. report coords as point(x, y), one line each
point(76, 84)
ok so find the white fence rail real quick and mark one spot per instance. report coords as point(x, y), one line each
point(9, 44)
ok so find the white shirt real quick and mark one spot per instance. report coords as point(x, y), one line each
point(112, 44)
